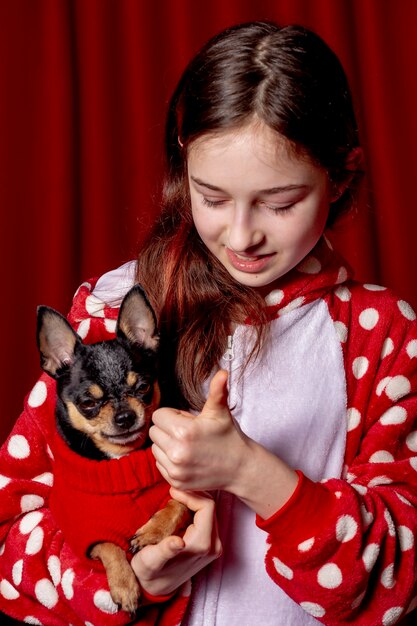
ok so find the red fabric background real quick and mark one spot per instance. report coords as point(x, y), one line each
point(83, 91)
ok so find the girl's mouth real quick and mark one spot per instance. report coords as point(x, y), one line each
point(249, 264)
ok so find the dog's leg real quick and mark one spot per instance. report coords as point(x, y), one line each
point(123, 584)
point(171, 520)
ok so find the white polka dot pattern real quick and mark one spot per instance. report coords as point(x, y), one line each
point(283, 569)
point(314, 609)
point(18, 447)
point(329, 576)
point(103, 601)
point(346, 528)
point(377, 337)
point(369, 318)
point(46, 593)
point(38, 394)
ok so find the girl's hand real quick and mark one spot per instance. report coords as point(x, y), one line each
point(209, 452)
point(164, 567)
point(202, 452)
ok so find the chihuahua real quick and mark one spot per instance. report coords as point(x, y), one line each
point(106, 394)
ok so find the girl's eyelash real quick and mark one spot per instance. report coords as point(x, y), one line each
point(212, 203)
point(274, 209)
point(280, 209)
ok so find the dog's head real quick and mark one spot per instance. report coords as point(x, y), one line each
point(107, 391)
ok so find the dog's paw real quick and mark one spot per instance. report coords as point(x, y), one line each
point(148, 534)
point(125, 592)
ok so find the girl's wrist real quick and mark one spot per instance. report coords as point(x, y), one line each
point(263, 481)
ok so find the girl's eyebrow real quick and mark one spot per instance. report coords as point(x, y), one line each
point(272, 190)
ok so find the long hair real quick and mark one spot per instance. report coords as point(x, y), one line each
point(289, 79)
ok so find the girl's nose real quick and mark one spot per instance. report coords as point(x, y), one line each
point(244, 232)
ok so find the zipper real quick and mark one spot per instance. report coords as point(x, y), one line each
point(229, 354)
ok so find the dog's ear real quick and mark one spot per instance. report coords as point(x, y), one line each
point(137, 321)
point(56, 341)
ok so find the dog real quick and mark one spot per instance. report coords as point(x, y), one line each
point(106, 394)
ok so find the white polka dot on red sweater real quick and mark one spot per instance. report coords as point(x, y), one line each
point(275, 297)
point(367, 516)
point(391, 616)
point(370, 555)
point(18, 447)
point(283, 569)
point(390, 523)
point(406, 538)
point(406, 310)
point(381, 456)
point(292, 305)
point(29, 521)
point(369, 318)
point(8, 591)
point(17, 571)
point(341, 330)
point(360, 366)
point(346, 528)
point(54, 568)
point(411, 349)
point(34, 543)
point(411, 441)
point(46, 593)
point(397, 387)
point(310, 265)
point(370, 287)
point(104, 602)
point(387, 347)
point(329, 576)
point(382, 384)
point(31, 501)
point(413, 463)
point(110, 325)
point(83, 328)
point(394, 415)
point(38, 394)
point(306, 545)
point(4, 481)
point(387, 577)
point(94, 306)
point(68, 583)
point(341, 276)
point(343, 294)
point(47, 478)
point(314, 609)
point(29, 619)
point(353, 419)
point(377, 481)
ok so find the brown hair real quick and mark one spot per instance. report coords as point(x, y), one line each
point(292, 81)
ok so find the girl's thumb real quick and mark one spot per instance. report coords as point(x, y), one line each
point(217, 396)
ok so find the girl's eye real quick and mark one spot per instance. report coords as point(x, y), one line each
point(279, 209)
point(212, 203)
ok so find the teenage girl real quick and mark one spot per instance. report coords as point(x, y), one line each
point(293, 429)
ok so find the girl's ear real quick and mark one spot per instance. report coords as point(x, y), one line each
point(353, 163)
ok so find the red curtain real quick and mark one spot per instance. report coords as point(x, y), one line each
point(83, 92)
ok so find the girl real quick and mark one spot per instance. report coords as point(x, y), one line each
point(294, 386)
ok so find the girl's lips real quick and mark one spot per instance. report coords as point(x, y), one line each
point(250, 264)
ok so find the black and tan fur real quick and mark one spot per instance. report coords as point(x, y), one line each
point(106, 394)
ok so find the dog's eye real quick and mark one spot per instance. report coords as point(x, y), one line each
point(89, 404)
point(143, 388)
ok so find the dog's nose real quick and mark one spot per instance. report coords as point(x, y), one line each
point(125, 419)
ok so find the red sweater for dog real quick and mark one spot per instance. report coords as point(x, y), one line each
point(95, 501)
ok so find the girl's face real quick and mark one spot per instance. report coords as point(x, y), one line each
point(258, 207)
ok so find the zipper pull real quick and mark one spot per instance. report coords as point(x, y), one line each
point(229, 354)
